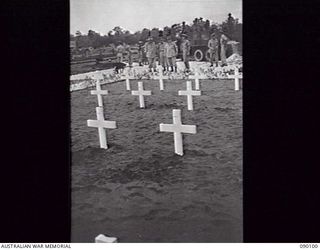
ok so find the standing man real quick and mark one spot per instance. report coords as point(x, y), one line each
point(213, 49)
point(231, 26)
point(140, 52)
point(223, 42)
point(185, 48)
point(120, 51)
point(127, 48)
point(162, 53)
point(151, 50)
point(171, 50)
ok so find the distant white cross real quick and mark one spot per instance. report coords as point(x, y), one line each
point(189, 93)
point(141, 93)
point(161, 77)
point(197, 78)
point(236, 78)
point(102, 125)
point(99, 92)
point(177, 128)
point(127, 77)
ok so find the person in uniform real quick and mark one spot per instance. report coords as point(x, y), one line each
point(185, 48)
point(223, 43)
point(120, 51)
point(162, 54)
point(127, 48)
point(231, 26)
point(140, 53)
point(213, 49)
point(171, 51)
point(151, 50)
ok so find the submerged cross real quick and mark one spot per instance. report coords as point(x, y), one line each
point(141, 93)
point(102, 125)
point(99, 92)
point(189, 93)
point(177, 128)
point(236, 78)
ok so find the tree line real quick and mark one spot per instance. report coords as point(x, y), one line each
point(199, 30)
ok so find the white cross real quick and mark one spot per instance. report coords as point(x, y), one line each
point(141, 93)
point(102, 125)
point(197, 78)
point(178, 128)
point(99, 92)
point(189, 93)
point(236, 78)
point(161, 77)
point(127, 78)
point(128, 84)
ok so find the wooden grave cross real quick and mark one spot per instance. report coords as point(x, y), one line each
point(102, 125)
point(189, 93)
point(99, 92)
point(141, 93)
point(177, 128)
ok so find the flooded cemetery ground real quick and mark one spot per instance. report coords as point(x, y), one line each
point(138, 190)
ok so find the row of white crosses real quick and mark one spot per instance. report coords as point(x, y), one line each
point(101, 123)
point(177, 128)
point(197, 77)
point(188, 92)
point(161, 77)
point(141, 93)
point(236, 78)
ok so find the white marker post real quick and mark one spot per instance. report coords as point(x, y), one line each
point(189, 93)
point(141, 93)
point(178, 128)
point(128, 84)
point(236, 78)
point(102, 125)
point(99, 92)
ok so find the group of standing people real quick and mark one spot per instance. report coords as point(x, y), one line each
point(213, 45)
point(121, 49)
point(166, 52)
